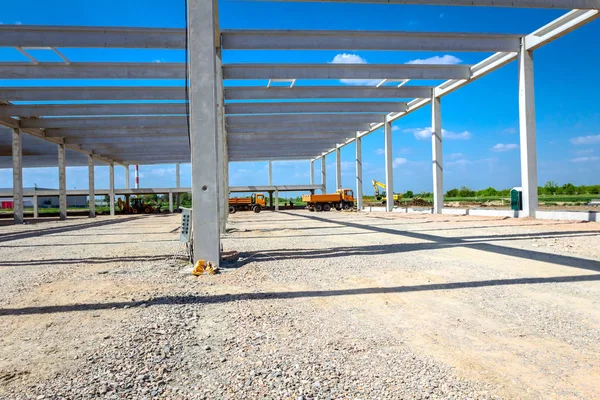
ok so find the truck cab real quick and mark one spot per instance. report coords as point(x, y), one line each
point(259, 199)
point(346, 194)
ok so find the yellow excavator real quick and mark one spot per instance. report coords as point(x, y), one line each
point(382, 196)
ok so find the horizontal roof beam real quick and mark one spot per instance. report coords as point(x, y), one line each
point(246, 39)
point(344, 71)
point(115, 132)
point(91, 37)
point(66, 110)
point(313, 120)
point(312, 107)
point(85, 70)
point(74, 93)
point(232, 138)
point(325, 92)
point(562, 4)
point(349, 128)
point(105, 122)
point(130, 140)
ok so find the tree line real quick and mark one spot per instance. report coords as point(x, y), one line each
point(549, 189)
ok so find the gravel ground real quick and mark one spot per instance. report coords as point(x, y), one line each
point(312, 306)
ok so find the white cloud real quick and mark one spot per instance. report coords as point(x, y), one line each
point(586, 140)
point(454, 156)
point(399, 161)
point(446, 59)
point(425, 133)
point(500, 147)
point(18, 23)
point(584, 159)
point(395, 128)
point(346, 58)
point(162, 171)
point(509, 131)
point(588, 151)
point(458, 163)
point(380, 152)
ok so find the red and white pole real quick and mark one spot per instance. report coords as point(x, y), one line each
point(137, 176)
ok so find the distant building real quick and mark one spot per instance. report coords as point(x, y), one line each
point(44, 201)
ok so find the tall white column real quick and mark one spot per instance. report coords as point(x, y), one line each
point(270, 173)
point(312, 172)
point(276, 200)
point(389, 166)
point(338, 168)
point(137, 176)
point(92, 186)
point(127, 177)
point(529, 179)
point(178, 183)
point(111, 193)
point(323, 174)
point(436, 154)
point(171, 202)
point(17, 164)
point(62, 182)
point(359, 174)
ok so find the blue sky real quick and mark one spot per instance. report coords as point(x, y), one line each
point(481, 120)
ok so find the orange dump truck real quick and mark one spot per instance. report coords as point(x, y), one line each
point(342, 199)
point(256, 203)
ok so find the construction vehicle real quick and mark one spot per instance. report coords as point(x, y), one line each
point(382, 196)
point(256, 203)
point(137, 206)
point(342, 199)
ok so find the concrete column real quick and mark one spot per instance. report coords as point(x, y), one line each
point(270, 173)
point(62, 182)
point(389, 166)
point(271, 199)
point(127, 177)
point(111, 192)
point(529, 179)
point(436, 154)
point(17, 165)
point(92, 186)
point(35, 206)
point(171, 202)
point(178, 183)
point(312, 172)
point(277, 200)
point(338, 168)
point(359, 173)
point(323, 174)
point(204, 131)
point(222, 153)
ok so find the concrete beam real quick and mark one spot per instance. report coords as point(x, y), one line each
point(62, 182)
point(70, 93)
point(105, 122)
point(312, 120)
point(389, 166)
point(529, 178)
point(312, 107)
point(359, 175)
point(91, 37)
point(436, 151)
point(324, 92)
point(245, 39)
point(278, 137)
point(202, 24)
point(343, 71)
point(87, 70)
point(129, 141)
point(17, 170)
point(180, 131)
point(350, 129)
point(92, 187)
point(66, 110)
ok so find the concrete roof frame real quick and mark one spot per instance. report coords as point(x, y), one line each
point(258, 118)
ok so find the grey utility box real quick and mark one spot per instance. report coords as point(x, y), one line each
point(186, 225)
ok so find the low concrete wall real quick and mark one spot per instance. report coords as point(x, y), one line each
point(591, 216)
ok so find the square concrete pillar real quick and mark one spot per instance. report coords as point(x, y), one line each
point(312, 172)
point(178, 183)
point(323, 174)
point(171, 202)
point(277, 200)
point(111, 193)
point(338, 168)
point(270, 173)
point(204, 130)
point(17, 165)
point(389, 166)
point(126, 176)
point(436, 154)
point(359, 174)
point(91, 187)
point(35, 206)
point(62, 182)
point(529, 178)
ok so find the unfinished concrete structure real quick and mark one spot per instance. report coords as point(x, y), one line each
point(264, 123)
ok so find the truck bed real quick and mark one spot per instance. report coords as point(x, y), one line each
point(321, 198)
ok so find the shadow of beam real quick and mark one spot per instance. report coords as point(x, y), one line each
point(175, 300)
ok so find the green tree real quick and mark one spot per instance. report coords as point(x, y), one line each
point(452, 193)
point(465, 192)
point(489, 192)
point(550, 188)
point(408, 194)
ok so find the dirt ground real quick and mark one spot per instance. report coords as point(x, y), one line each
point(313, 305)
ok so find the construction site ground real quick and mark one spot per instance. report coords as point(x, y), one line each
point(309, 305)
